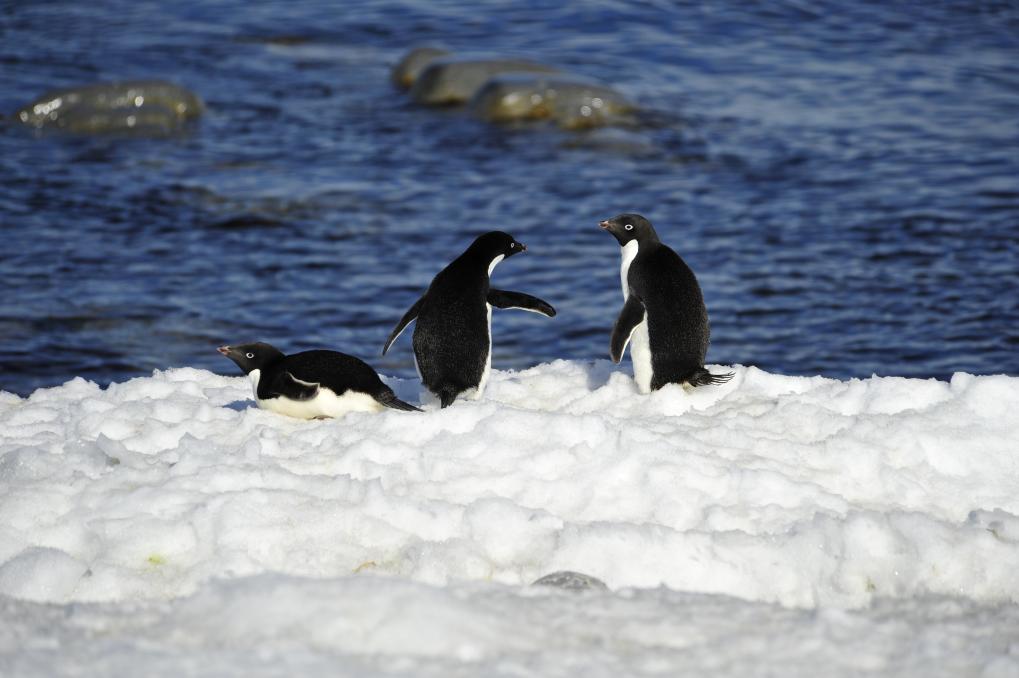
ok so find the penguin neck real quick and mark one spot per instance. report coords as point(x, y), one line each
point(476, 261)
point(494, 263)
point(255, 376)
point(628, 253)
point(268, 366)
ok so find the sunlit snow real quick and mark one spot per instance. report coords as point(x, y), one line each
point(165, 526)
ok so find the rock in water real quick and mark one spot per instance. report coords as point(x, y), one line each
point(136, 107)
point(615, 140)
point(455, 80)
point(406, 72)
point(571, 581)
point(572, 102)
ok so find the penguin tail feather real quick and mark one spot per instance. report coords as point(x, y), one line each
point(389, 399)
point(447, 394)
point(701, 377)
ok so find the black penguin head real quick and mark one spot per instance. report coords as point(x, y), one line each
point(496, 243)
point(628, 227)
point(251, 356)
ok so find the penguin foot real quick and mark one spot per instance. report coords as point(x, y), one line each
point(701, 377)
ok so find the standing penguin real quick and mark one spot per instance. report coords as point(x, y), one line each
point(664, 319)
point(453, 334)
point(312, 384)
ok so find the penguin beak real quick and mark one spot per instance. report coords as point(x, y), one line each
point(523, 247)
point(605, 225)
point(225, 350)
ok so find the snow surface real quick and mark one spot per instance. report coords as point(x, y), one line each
point(773, 525)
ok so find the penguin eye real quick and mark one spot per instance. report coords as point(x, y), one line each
point(249, 355)
point(628, 227)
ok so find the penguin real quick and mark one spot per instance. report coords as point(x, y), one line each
point(312, 384)
point(453, 335)
point(663, 318)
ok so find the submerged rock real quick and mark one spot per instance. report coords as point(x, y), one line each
point(623, 141)
point(454, 80)
point(572, 102)
point(136, 107)
point(571, 581)
point(406, 72)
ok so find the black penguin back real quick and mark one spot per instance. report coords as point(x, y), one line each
point(678, 327)
point(451, 335)
point(339, 373)
point(336, 371)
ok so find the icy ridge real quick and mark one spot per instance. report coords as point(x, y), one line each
point(808, 492)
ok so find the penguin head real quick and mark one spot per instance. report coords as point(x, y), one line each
point(628, 227)
point(496, 243)
point(251, 357)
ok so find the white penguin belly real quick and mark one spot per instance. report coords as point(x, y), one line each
point(324, 404)
point(417, 368)
point(640, 342)
point(640, 355)
point(480, 390)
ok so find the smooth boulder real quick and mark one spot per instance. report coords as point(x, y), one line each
point(408, 69)
point(571, 581)
point(455, 80)
point(571, 102)
point(136, 107)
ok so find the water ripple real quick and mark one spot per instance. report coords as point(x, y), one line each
point(842, 179)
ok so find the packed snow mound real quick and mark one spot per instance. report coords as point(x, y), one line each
point(805, 492)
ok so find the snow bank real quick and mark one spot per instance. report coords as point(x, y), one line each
point(273, 625)
point(772, 507)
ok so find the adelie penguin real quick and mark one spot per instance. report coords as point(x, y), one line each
point(664, 319)
point(312, 384)
point(453, 335)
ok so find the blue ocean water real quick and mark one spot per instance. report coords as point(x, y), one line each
point(843, 178)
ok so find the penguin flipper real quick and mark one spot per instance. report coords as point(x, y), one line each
point(631, 316)
point(525, 302)
point(289, 386)
point(411, 313)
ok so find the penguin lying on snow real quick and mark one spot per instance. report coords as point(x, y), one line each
point(312, 384)
point(664, 319)
point(453, 335)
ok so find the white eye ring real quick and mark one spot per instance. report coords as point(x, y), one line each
point(628, 227)
point(249, 355)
